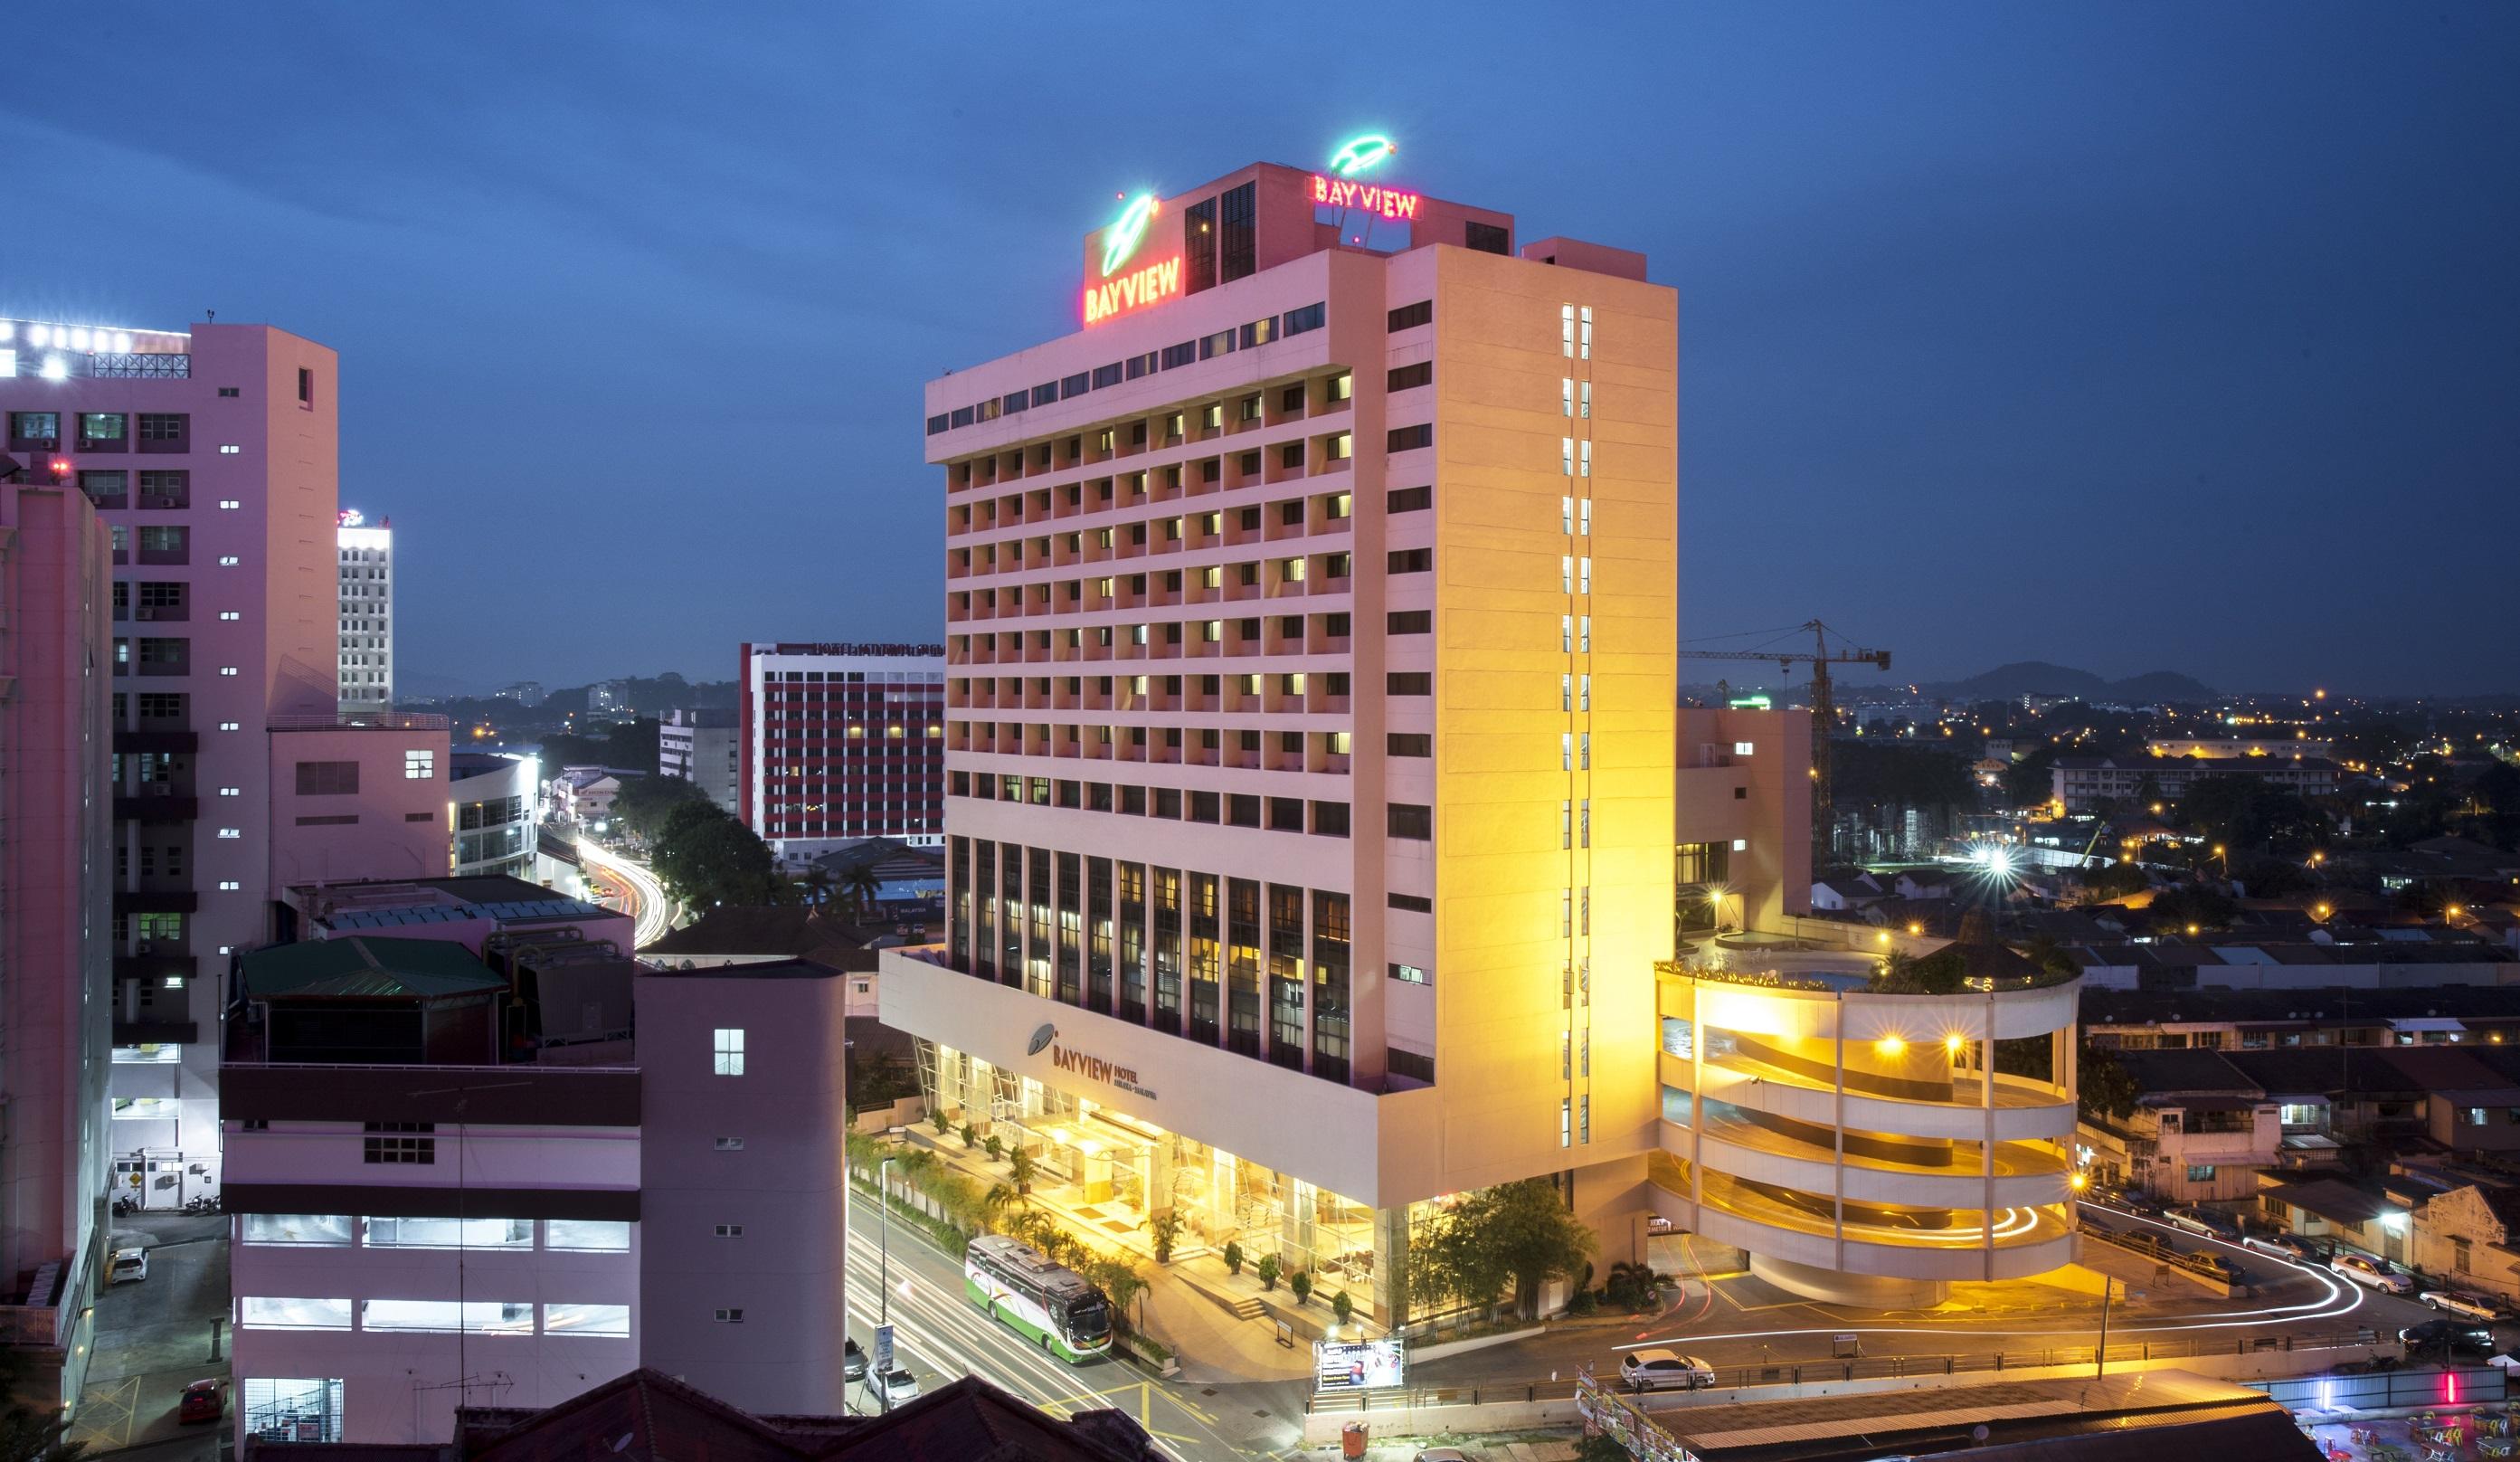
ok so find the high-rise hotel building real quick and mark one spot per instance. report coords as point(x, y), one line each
point(835, 743)
point(1309, 726)
point(366, 552)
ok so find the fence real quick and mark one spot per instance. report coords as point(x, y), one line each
point(2384, 1390)
point(1882, 1367)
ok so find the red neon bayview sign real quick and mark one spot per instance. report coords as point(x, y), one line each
point(1133, 290)
point(1373, 198)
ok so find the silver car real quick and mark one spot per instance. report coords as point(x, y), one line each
point(1664, 1370)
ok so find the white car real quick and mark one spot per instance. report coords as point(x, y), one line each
point(2282, 1247)
point(2465, 1306)
point(128, 1266)
point(1664, 1370)
point(2370, 1273)
point(896, 1386)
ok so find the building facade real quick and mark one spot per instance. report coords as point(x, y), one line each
point(56, 898)
point(841, 742)
point(494, 797)
point(1310, 628)
point(2081, 784)
point(1742, 804)
point(366, 555)
point(703, 747)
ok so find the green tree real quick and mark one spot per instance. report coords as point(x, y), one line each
point(861, 886)
point(1268, 1269)
point(1021, 1169)
point(1512, 1238)
point(707, 858)
point(816, 884)
point(2193, 903)
point(643, 802)
point(2116, 881)
point(1167, 1230)
point(1341, 1307)
point(1940, 973)
point(2104, 1089)
point(1233, 1257)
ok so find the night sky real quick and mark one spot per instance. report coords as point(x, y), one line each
point(2131, 337)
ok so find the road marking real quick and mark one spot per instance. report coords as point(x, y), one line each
point(101, 1408)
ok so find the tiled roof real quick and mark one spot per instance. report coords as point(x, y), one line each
point(2173, 1073)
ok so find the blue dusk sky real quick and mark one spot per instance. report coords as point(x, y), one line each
point(2130, 336)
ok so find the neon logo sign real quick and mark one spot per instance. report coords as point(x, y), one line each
point(1126, 231)
point(1338, 193)
point(1357, 154)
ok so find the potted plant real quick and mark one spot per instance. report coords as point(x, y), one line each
point(1341, 1307)
point(1167, 1230)
point(993, 1147)
point(971, 1136)
point(1302, 1284)
point(1021, 1169)
point(1233, 1257)
point(1268, 1269)
point(937, 1120)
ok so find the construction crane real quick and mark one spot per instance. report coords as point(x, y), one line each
point(1823, 707)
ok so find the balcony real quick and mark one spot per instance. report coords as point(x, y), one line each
point(157, 810)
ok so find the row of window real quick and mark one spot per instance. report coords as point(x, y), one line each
point(1324, 512)
point(102, 430)
point(1257, 333)
point(1249, 412)
point(342, 1230)
point(434, 1316)
point(1277, 814)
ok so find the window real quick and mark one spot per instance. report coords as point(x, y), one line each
point(1259, 333)
point(261, 1314)
point(1220, 344)
point(1411, 377)
point(418, 766)
point(1414, 903)
point(729, 1317)
point(1584, 458)
point(1567, 331)
point(399, 1142)
point(1329, 819)
point(327, 778)
point(388, 1232)
point(1408, 561)
point(1584, 341)
point(729, 1144)
point(1106, 375)
point(1408, 744)
point(1409, 820)
point(1744, 748)
point(1409, 621)
point(590, 1319)
point(1237, 213)
point(315, 1231)
point(591, 1235)
point(1409, 499)
point(726, 1048)
point(305, 386)
point(2198, 1173)
point(170, 428)
point(1309, 318)
point(1410, 316)
point(36, 426)
point(1409, 683)
point(471, 1317)
point(1584, 400)
point(1408, 439)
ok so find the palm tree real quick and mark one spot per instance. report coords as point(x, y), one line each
point(817, 883)
point(862, 886)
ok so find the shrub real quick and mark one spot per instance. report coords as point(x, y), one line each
point(970, 1135)
point(1341, 1307)
point(1168, 1228)
point(1581, 1303)
point(1268, 1269)
point(1020, 1166)
point(993, 1147)
point(936, 1119)
point(1233, 1257)
point(1302, 1284)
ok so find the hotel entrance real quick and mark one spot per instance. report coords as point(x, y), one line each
point(1110, 1175)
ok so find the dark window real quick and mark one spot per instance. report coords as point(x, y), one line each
point(1133, 800)
point(1412, 902)
point(1408, 316)
point(1334, 683)
point(1409, 820)
point(1409, 621)
point(1140, 365)
point(1259, 332)
point(1219, 343)
point(1406, 439)
point(1205, 806)
point(1309, 318)
point(1076, 385)
point(418, 816)
point(1069, 795)
point(400, 1142)
point(1098, 797)
point(1410, 1064)
point(327, 778)
point(1242, 809)
point(1168, 802)
point(1107, 375)
point(1045, 393)
point(1409, 499)
point(1015, 400)
point(1237, 247)
point(1198, 246)
point(1741, 794)
point(1409, 682)
point(1408, 376)
point(167, 431)
point(336, 820)
point(1408, 744)
point(1409, 559)
point(305, 385)
point(1181, 354)
point(1486, 238)
point(1291, 456)
point(935, 423)
point(962, 416)
point(1286, 814)
point(1329, 819)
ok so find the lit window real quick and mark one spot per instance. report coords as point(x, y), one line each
point(231, 792)
point(588, 1235)
point(1565, 575)
point(587, 1319)
point(1566, 455)
point(256, 1313)
point(1565, 752)
point(231, 725)
point(1584, 516)
point(1584, 634)
point(1741, 845)
point(230, 504)
point(418, 766)
point(229, 833)
point(1565, 396)
point(1585, 404)
point(1744, 748)
point(1565, 1122)
point(1584, 466)
point(1584, 575)
point(229, 886)
point(228, 561)
point(1586, 339)
point(229, 670)
point(230, 614)
point(230, 450)
point(726, 1048)
point(1566, 330)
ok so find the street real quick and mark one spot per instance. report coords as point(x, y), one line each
point(153, 1337)
point(640, 894)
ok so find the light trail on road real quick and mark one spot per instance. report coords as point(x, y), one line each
point(655, 913)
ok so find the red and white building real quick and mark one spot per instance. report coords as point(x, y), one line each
point(842, 742)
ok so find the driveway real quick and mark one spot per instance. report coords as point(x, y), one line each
point(153, 1338)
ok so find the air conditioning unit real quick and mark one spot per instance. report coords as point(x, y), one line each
point(145, 611)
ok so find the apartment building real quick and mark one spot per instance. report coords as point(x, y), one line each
point(424, 1220)
point(495, 795)
point(2081, 784)
point(839, 742)
point(1309, 721)
point(2201, 1131)
point(1741, 802)
point(704, 748)
point(211, 454)
point(55, 882)
point(366, 555)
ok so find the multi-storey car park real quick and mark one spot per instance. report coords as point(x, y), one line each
point(1310, 753)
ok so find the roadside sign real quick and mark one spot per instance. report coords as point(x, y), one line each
point(883, 1351)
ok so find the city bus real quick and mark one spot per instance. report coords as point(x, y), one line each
point(1049, 1302)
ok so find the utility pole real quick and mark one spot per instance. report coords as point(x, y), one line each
point(2100, 1357)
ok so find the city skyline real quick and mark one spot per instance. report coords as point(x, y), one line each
point(2084, 339)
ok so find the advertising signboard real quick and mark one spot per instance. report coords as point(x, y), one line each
point(1358, 1365)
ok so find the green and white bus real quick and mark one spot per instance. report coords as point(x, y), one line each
point(1050, 1302)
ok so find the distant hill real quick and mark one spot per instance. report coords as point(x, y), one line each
point(2035, 677)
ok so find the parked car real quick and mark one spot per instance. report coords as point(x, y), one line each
point(2204, 1222)
point(1664, 1370)
point(897, 1386)
point(2370, 1273)
point(2133, 1201)
point(2282, 1247)
point(129, 1266)
point(853, 1361)
point(204, 1400)
point(2464, 1307)
point(2447, 1337)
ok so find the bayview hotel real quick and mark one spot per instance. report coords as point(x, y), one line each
point(1309, 720)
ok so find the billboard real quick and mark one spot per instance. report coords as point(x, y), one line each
point(1358, 1365)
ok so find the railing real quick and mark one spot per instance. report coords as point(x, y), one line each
point(1885, 1367)
point(141, 366)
